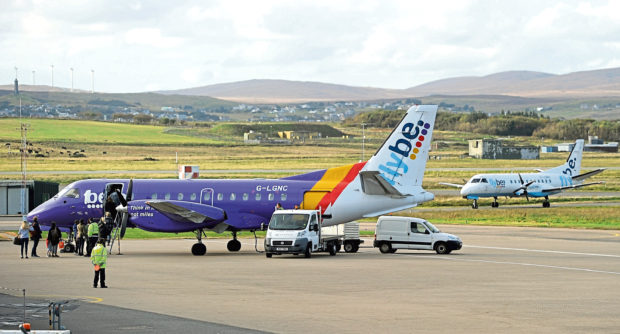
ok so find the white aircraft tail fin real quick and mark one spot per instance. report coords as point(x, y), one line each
point(572, 166)
point(401, 160)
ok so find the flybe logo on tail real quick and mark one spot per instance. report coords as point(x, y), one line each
point(403, 150)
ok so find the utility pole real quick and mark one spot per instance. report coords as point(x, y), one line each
point(92, 75)
point(52, 66)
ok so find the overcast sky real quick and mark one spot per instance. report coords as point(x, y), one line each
point(136, 46)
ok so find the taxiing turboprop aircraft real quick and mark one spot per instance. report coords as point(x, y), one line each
point(390, 181)
point(541, 184)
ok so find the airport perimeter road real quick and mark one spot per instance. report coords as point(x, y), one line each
point(508, 280)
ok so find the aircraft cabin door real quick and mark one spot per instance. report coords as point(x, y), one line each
point(110, 189)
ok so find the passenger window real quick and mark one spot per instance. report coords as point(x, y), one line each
point(192, 196)
point(233, 196)
point(180, 196)
point(154, 196)
point(270, 197)
point(167, 196)
point(220, 196)
point(257, 196)
point(246, 196)
point(207, 196)
point(414, 227)
point(283, 197)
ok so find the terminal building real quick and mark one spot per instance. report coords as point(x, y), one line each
point(11, 195)
point(499, 149)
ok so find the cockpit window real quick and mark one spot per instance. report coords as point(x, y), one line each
point(475, 180)
point(72, 193)
point(483, 181)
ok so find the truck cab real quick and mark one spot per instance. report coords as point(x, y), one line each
point(393, 233)
point(298, 232)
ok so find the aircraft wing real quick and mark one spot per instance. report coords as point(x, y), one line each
point(584, 176)
point(182, 214)
point(570, 187)
point(452, 184)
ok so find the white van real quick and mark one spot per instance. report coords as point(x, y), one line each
point(394, 233)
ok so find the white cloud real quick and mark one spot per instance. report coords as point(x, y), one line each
point(135, 45)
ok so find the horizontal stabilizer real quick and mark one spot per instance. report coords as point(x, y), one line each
point(452, 184)
point(570, 187)
point(584, 176)
point(375, 184)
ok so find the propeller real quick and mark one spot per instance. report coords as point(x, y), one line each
point(524, 187)
point(126, 213)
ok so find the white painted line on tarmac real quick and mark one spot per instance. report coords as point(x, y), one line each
point(542, 251)
point(530, 265)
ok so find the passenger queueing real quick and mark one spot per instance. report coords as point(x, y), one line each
point(93, 235)
point(53, 239)
point(99, 258)
point(23, 234)
point(105, 227)
point(35, 236)
point(79, 237)
point(74, 230)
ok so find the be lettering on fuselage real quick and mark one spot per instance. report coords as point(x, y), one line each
point(93, 200)
point(404, 150)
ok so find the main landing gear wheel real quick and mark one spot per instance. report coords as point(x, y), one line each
point(474, 205)
point(199, 249)
point(233, 245)
point(546, 204)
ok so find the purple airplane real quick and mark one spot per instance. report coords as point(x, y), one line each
point(390, 181)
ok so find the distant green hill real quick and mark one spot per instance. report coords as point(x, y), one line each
point(150, 101)
point(228, 129)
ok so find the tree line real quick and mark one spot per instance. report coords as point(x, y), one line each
point(504, 124)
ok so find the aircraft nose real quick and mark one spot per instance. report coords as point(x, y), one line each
point(465, 190)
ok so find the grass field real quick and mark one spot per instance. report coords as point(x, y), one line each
point(141, 147)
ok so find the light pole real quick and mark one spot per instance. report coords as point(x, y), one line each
point(92, 76)
point(15, 72)
point(52, 66)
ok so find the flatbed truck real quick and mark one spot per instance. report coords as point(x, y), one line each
point(301, 232)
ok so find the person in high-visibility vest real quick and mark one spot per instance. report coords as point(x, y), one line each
point(99, 257)
point(93, 235)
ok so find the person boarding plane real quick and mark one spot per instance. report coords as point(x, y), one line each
point(390, 181)
point(541, 184)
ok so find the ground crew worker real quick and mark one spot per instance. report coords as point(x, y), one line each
point(93, 235)
point(99, 257)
